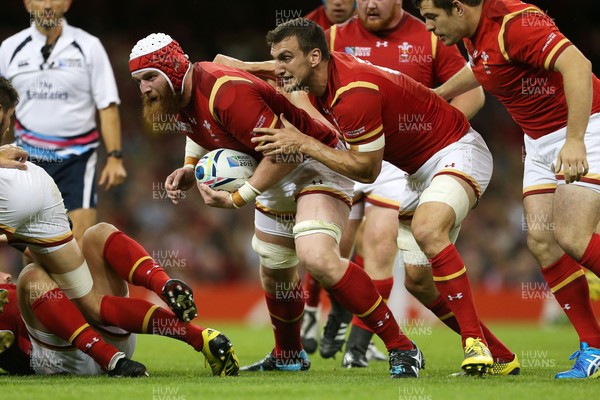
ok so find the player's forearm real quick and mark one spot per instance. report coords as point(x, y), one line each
point(346, 163)
point(263, 69)
point(469, 103)
point(460, 83)
point(110, 127)
point(269, 172)
point(577, 81)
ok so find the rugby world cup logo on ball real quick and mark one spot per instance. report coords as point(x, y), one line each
point(225, 169)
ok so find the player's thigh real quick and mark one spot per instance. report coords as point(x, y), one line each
point(319, 225)
point(320, 221)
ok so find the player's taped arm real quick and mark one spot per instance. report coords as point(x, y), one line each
point(267, 174)
point(193, 153)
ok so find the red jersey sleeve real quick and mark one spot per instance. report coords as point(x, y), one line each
point(447, 61)
point(531, 37)
point(357, 109)
point(238, 105)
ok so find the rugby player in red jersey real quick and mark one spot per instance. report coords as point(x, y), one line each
point(332, 12)
point(219, 107)
point(386, 35)
point(385, 115)
point(518, 54)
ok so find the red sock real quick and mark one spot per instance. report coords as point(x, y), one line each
point(591, 257)
point(441, 310)
point(60, 316)
point(133, 263)
point(570, 288)
point(451, 280)
point(312, 288)
point(286, 307)
point(357, 294)
point(141, 316)
point(384, 287)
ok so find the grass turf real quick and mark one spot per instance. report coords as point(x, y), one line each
point(178, 373)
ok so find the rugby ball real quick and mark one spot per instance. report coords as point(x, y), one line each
point(225, 169)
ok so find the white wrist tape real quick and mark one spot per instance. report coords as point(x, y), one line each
point(248, 192)
point(193, 149)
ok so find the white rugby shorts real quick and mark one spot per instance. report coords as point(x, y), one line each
point(541, 154)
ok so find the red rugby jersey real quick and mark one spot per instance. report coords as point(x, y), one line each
point(16, 358)
point(228, 103)
point(318, 15)
point(375, 107)
point(512, 54)
point(408, 48)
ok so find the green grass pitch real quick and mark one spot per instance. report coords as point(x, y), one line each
point(178, 373)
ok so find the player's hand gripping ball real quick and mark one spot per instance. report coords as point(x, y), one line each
point(225, 169)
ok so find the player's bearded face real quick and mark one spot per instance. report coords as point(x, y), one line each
point(161, 104)
point(377, 16)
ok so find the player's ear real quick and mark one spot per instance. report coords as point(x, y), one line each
point(27, 5)
point(459, 7)
point(315, 57)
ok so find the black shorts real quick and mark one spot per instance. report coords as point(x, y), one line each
point(76, 179)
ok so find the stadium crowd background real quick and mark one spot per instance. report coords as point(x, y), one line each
point(196, 242)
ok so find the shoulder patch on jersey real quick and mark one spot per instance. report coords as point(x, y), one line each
point(215, 89)
point(353, 85)
point(505, 20)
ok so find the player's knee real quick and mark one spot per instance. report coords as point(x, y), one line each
point(318, 253)
point(428, 235)
point(33, 282)
point(97, 234)
point(273, 256)
point(32, 273)
point(319, 261)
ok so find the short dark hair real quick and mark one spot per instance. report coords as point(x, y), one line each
point(448, 4)
point(309, 35)
point(8, 94)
